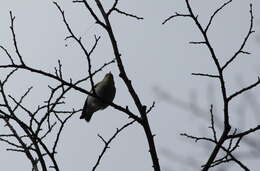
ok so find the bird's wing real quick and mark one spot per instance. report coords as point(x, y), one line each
point(94, 100)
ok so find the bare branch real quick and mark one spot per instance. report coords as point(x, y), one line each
point(49, 75)
point(23, 145)
point(107, 143)
point(42, 122)
point(223, 148)
point(8, 54)
point(212, 127)
point(60, 130)
point(112, 8)
point(98, 21)
point(196, 139)
point(198, 43)
point(127, 14)
point(242, 134)
point(78, 40)
point(22, 98)
point(244, 90)
point(9, 75)
point(11, 143)
point(240, 50)
point(215, 13)
point(95, 44)
point(174, 16)
point(205, 75)
point(141, 108)
point(150, 108)
point(14, 39)
point(226, 99)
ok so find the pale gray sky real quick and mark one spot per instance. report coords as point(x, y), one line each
point(153, 54)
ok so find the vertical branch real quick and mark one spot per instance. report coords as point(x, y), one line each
point(211, 162)
point(14, 39)
point(78, 40)
point(24, 128)
point(227, 126)
point(141, 108)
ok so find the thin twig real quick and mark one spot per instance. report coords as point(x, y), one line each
point(240, 50)
point(244, 89)
point(14, 39)
point(127, 14)
point(215, 13)
point(174, 16)
point(212, 127)
point(107, 143)
point(205, 75)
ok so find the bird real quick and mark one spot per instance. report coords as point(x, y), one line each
point(106, 90)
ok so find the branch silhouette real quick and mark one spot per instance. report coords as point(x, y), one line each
point(220, 76)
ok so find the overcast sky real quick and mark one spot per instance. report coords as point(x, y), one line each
point(156, 57)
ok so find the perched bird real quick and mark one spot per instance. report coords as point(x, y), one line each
point(106, 90)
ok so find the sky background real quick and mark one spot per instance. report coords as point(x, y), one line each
point(157, 58)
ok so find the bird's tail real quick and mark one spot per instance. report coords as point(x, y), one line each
point(86, 114)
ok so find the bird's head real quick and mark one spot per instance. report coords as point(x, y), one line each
point(109, 77)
